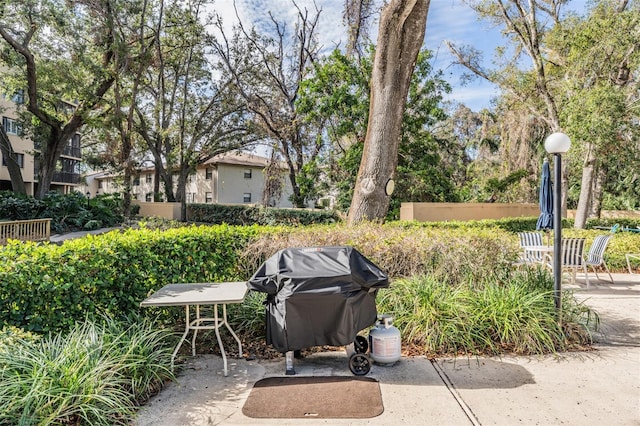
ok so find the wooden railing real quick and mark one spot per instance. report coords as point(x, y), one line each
point(25, 230)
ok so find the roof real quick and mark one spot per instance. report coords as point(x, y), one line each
point(239, 159)
point(230, 158)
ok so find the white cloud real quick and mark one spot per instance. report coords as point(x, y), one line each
point(475, 96)
point(330, 30)
point(447, 20)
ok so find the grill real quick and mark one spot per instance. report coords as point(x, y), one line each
point(319, 296)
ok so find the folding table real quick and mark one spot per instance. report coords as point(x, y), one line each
point(201, 294)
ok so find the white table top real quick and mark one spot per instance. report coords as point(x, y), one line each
point(198, 294)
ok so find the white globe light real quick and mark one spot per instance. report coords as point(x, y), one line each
point(557, 143)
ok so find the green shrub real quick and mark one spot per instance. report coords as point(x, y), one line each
point(248, 317)
point(511, 224)
point(68, 212)
point(428, 314)
point(249, 215)
point(517, 315)
point(49, 288)
point(93, 375)
point(10, 335)
point(20, 207)
point(608, 223)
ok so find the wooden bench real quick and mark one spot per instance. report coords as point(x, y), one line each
point(25, 230)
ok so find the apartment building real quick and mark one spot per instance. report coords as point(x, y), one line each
point(230, 178)
point(67, 175)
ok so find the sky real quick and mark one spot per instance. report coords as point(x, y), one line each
point(448, 20)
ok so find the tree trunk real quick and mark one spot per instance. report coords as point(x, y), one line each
point(584, 202)
point(50, 155)
point(597, 192)
point(15, 174)
point(400, 37)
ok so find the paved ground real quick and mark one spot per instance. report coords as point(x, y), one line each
point(601, 387)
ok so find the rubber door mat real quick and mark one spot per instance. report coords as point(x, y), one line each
point(333, 397)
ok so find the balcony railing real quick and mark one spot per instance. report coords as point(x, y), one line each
point(72, 151)
point(66, 177)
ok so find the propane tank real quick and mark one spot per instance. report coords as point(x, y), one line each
point(384, 341)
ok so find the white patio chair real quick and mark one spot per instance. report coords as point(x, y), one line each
point(572, 257)
point(531, 239)
point(595, 257)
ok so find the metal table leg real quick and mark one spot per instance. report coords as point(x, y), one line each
point(197, 324)
point(187, 327)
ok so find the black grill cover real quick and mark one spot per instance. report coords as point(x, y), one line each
point(317, 296)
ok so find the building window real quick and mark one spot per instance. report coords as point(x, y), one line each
point(208, 197)
point(19, 160)
point(18, 97)
point(11, 126)
point(149, 178)
point(247, 173)
point(246, 197)
point(148, 197)
point(136, 180)
point(99, 184)
point(208, 174)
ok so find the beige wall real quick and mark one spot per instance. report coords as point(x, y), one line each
point(20, 146)
point(611, 214)
point(434, 212)
point(166, 210)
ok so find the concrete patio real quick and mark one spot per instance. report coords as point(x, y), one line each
point(585, 388)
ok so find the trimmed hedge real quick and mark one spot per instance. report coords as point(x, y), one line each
point(248, 215)
point(46, 287)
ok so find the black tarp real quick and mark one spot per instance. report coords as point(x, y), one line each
point(317, 296)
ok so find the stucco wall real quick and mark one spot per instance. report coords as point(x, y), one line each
point(434, 212)
point(166, 210)
point(20, 145)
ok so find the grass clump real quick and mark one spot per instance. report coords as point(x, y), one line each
point(96, 374)
point(513, 316)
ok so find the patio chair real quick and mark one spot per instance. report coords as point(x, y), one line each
point(573, 259)
point(531, 239)
point(595, 257)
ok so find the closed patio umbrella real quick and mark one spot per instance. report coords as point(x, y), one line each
point(545, 220)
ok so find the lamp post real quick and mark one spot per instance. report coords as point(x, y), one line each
point(88, 196)
point(557, 144)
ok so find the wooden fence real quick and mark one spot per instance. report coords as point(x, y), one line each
point(25, 230)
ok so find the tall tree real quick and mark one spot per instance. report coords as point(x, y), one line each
point(357, 14)
point(187, 111)
point(524, 24)
point(267, 73)
point(400, 37)
point(578, 65)
point(337, 97)
point(15, 174)
point(598, 58)
point(62, 53)
point(134, 58)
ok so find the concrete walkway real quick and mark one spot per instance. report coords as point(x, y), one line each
point(59, 238)
point(600, 387)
